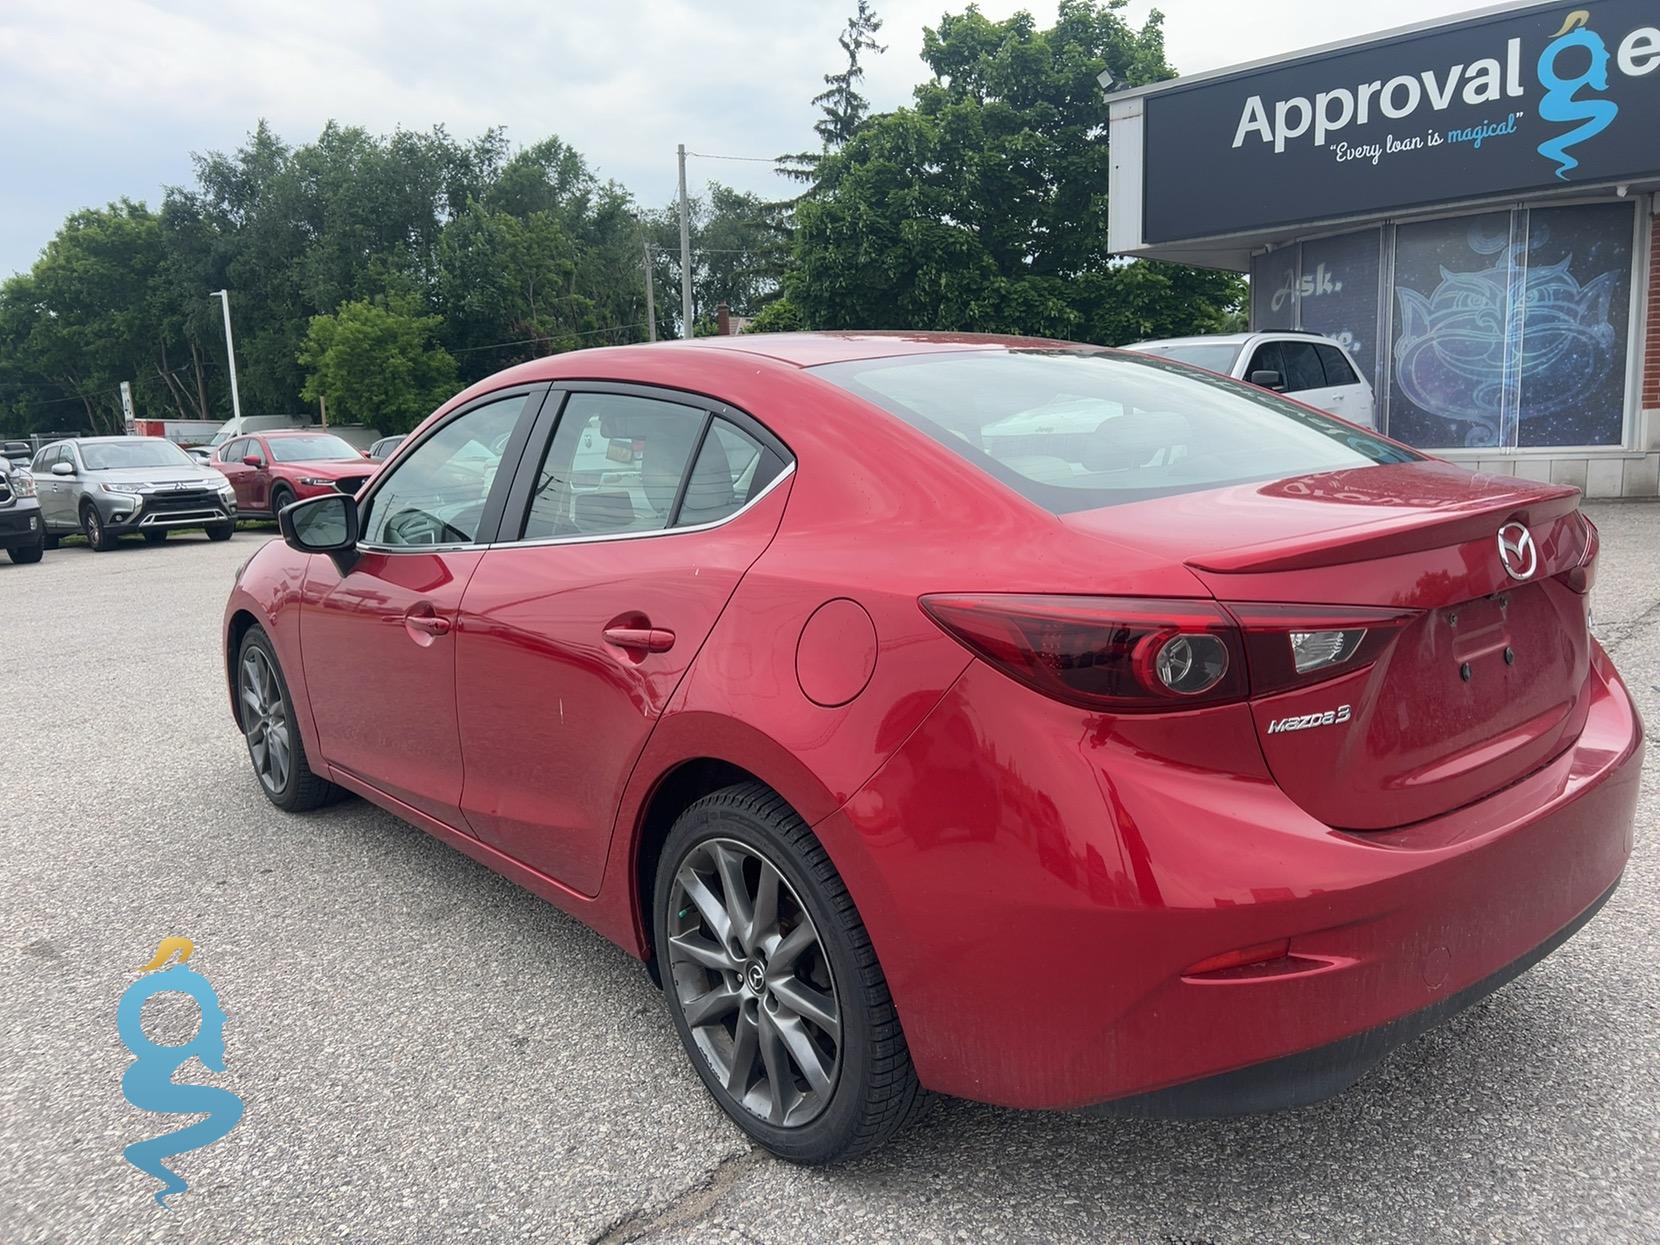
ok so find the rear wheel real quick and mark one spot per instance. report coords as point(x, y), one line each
point(274, 745)
point(772, 982)
point(155, 536)
point(92, 524)
point(23, 554)
point(220, 531)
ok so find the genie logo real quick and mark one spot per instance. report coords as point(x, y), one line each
point(1561, 102)
point(148, 1082)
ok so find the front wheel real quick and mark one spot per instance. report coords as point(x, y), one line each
point(281, 499)
point(155, 536)
point(772, 983)
point(220, 531)
point(23, 554)
point(97, 535)
point(266, 714)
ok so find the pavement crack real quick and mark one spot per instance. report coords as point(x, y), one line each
point(686, 1207)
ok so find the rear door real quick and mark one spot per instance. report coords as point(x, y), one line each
point(634, 516)
point(1345, 393)
point(1478, 656)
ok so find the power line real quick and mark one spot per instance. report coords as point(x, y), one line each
point(705, 155)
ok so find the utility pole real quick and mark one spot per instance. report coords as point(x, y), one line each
point(651, 297)
point(685, 253)
point(224, 298)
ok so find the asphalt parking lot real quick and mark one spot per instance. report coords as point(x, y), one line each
point(428, 1053)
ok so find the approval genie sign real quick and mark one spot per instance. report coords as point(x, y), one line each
point(1511, 101)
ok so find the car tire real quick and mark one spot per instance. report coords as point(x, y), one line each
point(49, 541)
point(92, 527)
point(748, 1034)
point(220, 531)
point(280, 498)
point(25, 554)
point(265, 712)
point(155, 536)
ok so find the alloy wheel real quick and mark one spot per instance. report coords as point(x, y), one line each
point(265, 720)
point(753, 982)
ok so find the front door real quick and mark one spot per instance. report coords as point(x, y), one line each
point(378, 641)
point(574, 636)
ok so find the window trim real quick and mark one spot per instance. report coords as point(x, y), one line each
point(536, 395)
point(553, 410)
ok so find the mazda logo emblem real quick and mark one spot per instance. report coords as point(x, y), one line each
point(1517, 552)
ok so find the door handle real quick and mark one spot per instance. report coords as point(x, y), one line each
point(429, 623)
point(641, 639)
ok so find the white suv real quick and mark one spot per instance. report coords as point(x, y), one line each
point(1306, 366)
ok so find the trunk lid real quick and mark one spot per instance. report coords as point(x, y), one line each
point(1480, 681)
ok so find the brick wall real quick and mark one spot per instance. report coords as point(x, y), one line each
point(1651, 366)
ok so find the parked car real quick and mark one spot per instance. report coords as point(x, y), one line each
point(384, 448)
point(21, 534)
point(1305, 366)
point(201, 453)
point(246, 425)
point(1183, 766)
point(275, 469)
point(106, 487)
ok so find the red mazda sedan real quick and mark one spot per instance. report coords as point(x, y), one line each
point(1041, 724)
point(270, 470)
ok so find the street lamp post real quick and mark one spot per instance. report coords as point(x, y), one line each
point(224, 298)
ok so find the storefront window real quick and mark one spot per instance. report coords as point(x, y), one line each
point(1274, 290)
point(1575, 324)
point(1452, 380)
point(1340, 293)
point(1505, 329)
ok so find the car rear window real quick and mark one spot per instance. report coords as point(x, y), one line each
point(1215, 356)
point(1076, 430)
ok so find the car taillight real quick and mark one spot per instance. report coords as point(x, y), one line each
point(1122, 655)
point(1583, 577)
point(1105, 653)
point(1291, 645)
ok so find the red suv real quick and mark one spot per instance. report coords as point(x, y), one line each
point(1046, 725)
point(270, 470)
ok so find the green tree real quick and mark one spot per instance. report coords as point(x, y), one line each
point(377, 363)
point(740, 249)
point(840, 103)
point(984, 206)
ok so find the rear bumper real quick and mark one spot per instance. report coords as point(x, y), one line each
point(1037, 885)
point(1297, 1080)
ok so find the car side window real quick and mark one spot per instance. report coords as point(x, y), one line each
point(436, 494)
point(614, 465)
point(44, 460)
point(1266, 359)
point(731, 468)
point(233, 453)
point(1302, 367)
point(1337, 369)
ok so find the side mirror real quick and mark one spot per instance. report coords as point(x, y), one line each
point(254, 460)
point(326, 524)
point(63, 469)
point(1268, 380)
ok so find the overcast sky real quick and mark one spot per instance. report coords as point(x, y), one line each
point(105, 98)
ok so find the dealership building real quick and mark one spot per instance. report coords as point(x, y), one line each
point(1471, 206)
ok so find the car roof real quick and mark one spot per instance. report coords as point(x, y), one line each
point(1233, 339)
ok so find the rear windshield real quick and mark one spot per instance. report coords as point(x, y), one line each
point(1210, 355)
point(319, 447)
point(1073, 430)
point(138, 452)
